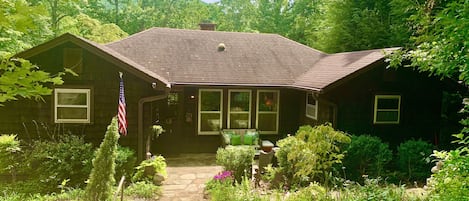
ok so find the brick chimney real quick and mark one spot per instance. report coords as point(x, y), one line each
point(207, 26)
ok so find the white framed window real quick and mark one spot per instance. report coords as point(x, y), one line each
point(267, 111)
point(72, 105)
point(239, 108)
point(387, 109)
point(311, 106)
point(210, 111)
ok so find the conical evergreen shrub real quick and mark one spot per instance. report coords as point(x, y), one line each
point(101, 179)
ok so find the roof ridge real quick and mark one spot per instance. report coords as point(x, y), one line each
point(370, 50)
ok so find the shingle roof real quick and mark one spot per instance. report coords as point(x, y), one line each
point(192, 56)
point(176, 56)
point(334, 67)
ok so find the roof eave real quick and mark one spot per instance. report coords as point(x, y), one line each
point(98, 50)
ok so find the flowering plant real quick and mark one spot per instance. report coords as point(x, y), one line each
point(223, 176)
point(222, 179)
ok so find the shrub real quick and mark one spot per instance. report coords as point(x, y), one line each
point(149, 169)
point(366, 155)
point(9, 152)
point(237, 159)
point(143, 189)
point(310, 154)
point(451, 182)
point(413, 159)
point(125, 163)
point(102, 175)
point(49, 163)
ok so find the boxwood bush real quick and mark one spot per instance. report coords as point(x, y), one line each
point(414, 159)
point(366, 155)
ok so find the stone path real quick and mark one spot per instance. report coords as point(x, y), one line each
point(187, 183)
point(187, 175)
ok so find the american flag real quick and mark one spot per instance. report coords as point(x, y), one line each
point(121, 113)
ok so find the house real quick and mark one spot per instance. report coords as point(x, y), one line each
point(195, 82)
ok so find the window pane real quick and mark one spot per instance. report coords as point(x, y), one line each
point(268, 101)
point(72, 98)
point(311, 100)
point(311, 110)
point(388, 103)
point(71, 113)
point(267, 122)
point(239, 121)
point(209, 122)
point(239, 101)
point(210, 100)
point(387, 116)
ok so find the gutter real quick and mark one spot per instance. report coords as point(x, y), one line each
point(319, 90)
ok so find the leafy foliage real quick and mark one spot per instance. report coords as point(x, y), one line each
point(49, 163)
point(440, 44)
point(366, 155)
point(101, 178)
point(310, 154)
point(451, 181)
point(20, 78)
point(149, 168)
point(125, 163)
point(21, 26)
point(414, 159)
point(9, 150)
point(144, 190)
point(92, 29)
point(237, 159)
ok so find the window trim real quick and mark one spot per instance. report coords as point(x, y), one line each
point(57, 91)
point(229, 106)
point(376, 110)
point(315, 117)
point(199, 120)
point(263, 112)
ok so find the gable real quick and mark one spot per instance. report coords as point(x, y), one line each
point(99, 50)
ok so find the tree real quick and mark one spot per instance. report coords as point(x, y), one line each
point(92, 29)
point(58, 9)
point(21, 26)
point(237, 15)
point(20, 78)
point(350, 25)
point(440, 43)
point(102, 175)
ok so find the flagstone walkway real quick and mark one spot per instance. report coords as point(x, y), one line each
point(187, 176)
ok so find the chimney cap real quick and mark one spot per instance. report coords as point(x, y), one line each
point(207, 26)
